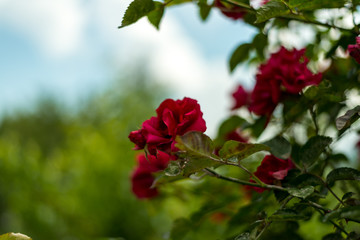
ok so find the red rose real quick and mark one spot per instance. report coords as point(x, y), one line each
point(230, 10)
point(241, 98)
point(264, 98)
point(285, 73)
point(354, 50)
point(173, 118)
point(272, 169)
point(142, 178)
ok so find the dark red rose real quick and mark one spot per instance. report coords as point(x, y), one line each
point(285, 73)
point(230, 10)
point(173, 118)
point(142, 178)
point(272, 169)
point(137, 138)
point(264, 98)
point(354, 50)
point(241, 98)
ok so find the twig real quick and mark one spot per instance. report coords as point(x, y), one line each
point(242, 182)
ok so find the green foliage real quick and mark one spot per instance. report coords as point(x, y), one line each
point(240, 150)
point(316, 4)
point(351, 213)
point(156, 15)
point(138, 9)
point(279, 146)
point(343, 173)
point(287, 215)
point(301, 192)
point(73, 168)
point(199, 152)
point(204, 9)
point(274, 8)
point(240, 54)
point(311, 151)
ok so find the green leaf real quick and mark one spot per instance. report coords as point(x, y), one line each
point(156, 15)
point(260, 42)
point(280, 147)
point(343, 173)
point(240, 55)
point(306, 179)
point(287, 215)
point(348, 118)
point(301, 192)
point(14, 236)
point(315, 4)
point(312, 149)
point(197, 152)
point(270, 10)
point(180, 228)
point(240, 150)
point(204, 9)
point(350, 213)
point(259, 126)
point(195, 143)
point(136, 10)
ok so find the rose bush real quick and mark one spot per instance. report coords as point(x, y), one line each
point(302, 171)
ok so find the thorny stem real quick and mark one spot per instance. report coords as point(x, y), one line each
point(235, 180)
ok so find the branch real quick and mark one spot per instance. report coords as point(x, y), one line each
point(294, 17)
point(242, 182)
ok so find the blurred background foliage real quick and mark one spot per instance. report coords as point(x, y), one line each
point(64, 174)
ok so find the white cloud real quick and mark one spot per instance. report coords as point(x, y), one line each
point(56, 27)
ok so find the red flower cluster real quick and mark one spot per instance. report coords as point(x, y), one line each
point(272, 169)
point(232, 11)
point(158, 135)
point(173, 118)
point(285, 73)
point(354, 50)
point(142, 178)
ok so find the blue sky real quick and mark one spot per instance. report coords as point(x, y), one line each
point(72, 48)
